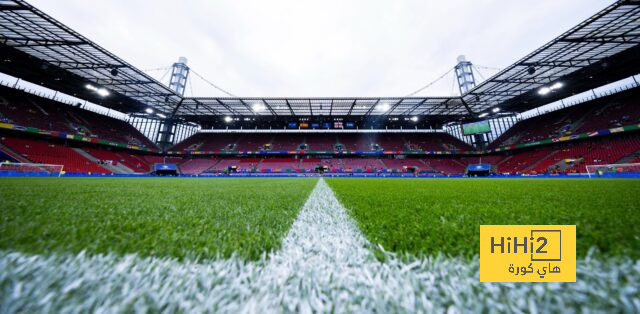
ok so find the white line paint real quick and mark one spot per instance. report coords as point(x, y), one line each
point(324, 265)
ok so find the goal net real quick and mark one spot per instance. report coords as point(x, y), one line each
point(18, 168)
point(612, 169)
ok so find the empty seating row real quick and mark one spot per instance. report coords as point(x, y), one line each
point(321, 142)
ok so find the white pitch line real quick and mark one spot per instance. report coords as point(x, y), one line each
point(324, 265)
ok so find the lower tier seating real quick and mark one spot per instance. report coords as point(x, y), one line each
point(565, 157)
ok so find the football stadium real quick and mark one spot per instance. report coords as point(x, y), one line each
point(121, 190)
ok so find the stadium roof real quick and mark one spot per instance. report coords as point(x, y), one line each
point(35, 33)
point(607, 33)
point(599, 50)
point(323, 106)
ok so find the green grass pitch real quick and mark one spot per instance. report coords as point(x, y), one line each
point(424, 217)
point(182, 218)
point(209, 218)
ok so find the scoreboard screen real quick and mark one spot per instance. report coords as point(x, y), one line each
point(476, 128)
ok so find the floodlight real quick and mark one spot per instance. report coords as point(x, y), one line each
point(102, 92)
point(257, 107)
point(482, 115)
point(495, 110)
point(382, 107)
point(228, 119)
point(148, 110)
point(414, 119)
point(557, 85)
point(90, 87)
point(543, 91)
point(161, 115)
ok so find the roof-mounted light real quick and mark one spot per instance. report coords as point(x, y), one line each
point(383, 107)
point(100, 91)
point(548, 89)
point(257, 107)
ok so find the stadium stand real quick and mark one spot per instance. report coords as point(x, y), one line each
point(357, 142)
point(197, 166)
point(130, 161)
point(152, 159)
point(252, 142)
point(242, 164)
point(362, 164)
point(572, 157)
point(608, 112)
point(434, 142)
point(321, 142)
point(402, 164)
point(333, 164)
point(37, 151)
point(520, 161)
point(392, 142)
point(278, 164)
point(288, 142)
point(447, 166)
point(28, 110)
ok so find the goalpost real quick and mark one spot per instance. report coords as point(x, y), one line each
point(32, 168)
point(601, 170)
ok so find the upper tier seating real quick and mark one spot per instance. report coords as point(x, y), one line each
point(321, 142)
point(358, 142)
point(32, 111)
point(434, 142)
point(290, 142)
point(604, 113)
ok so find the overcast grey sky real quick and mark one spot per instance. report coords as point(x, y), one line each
point(320, 48)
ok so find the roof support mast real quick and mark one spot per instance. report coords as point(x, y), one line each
point(177, 83)
point(464, 75)
point(466, 82)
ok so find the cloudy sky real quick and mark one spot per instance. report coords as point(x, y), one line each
point(321, 48)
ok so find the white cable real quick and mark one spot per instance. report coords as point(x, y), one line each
point(429, 85)
point(213, 85)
